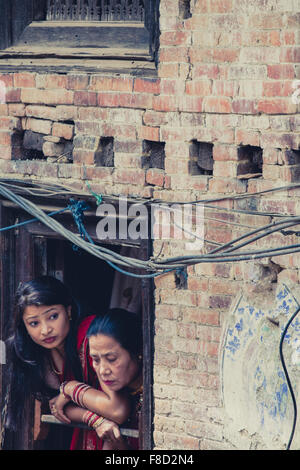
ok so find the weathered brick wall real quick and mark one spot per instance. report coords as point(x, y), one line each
point(227, 74)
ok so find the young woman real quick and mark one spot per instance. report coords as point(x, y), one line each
point(115, 346)
point(48, 347)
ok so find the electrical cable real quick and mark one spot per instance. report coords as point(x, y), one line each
point(149, 265)
point(287, 377)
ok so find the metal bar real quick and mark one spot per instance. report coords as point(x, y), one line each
point(52, 420)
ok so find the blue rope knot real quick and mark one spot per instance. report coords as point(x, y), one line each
point(77, 208)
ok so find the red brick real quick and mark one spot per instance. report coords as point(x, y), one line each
point(5, 152)
point(225, 153)
point(280, 140)
point(63, 130)
point(281, 71)
point(191, 104)
point(24, 80)
point(225, 55)
point(290, 55)
point(278, 88)
point(111, 100)
point(268, 20)
point(220, 301)
point(77, 82)
point(170, 87)
point(81, 156)
point(48, 97)
point(134, 177)
point(246, 137)
point(16, 109)
point(3, 109)
point(85, 98)
point(92, 113)
point(217, 105)
point(7, 79)
point(168, 70)
point(199, 87)
point(111, 84)
point(126, 132)
point(263, 38)
point(174, 54)
point(154, 118)
point(5, 138)
point(42, 112)
point(13, 95)
point(276, 106)
point(165, 103)
point(38, 125)
point(206, 71)
point(147, 85)
point(155, 177)
point(98, 173)
point(244, 106)
point(218, 6)
point(10, 123)
point(56, 81)
point(197, 284)
point(136, 100)
point(149, 133)
point(289, 38)
point(174, 38)
point(88, 127)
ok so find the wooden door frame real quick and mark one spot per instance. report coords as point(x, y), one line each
point(17, 259)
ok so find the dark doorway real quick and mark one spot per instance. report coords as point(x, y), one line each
point(34, 250)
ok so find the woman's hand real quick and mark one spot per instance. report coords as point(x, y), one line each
point(57, 405)
point(110, 433)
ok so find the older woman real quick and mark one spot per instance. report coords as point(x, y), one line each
point(115, 347)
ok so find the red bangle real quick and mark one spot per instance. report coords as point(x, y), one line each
point(78, 392)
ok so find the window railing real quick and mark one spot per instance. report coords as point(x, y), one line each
point(95, 10)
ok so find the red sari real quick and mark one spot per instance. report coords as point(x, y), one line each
point(86, 439)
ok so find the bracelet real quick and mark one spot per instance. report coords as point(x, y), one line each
point(92, 419)
point(62, 390)
point(78, 392)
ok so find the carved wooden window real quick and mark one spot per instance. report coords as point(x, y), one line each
point(95, 10)
point(98, 28)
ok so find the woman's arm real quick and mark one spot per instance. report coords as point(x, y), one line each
point(112, 405)
point(105, 429)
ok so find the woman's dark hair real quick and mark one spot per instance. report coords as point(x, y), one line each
point(28, 359)
point(125, 327)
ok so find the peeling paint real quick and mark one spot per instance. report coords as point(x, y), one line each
point(252, 373)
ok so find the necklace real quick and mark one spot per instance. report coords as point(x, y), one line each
point(52, 365)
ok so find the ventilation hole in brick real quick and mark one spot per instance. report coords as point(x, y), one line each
point(32, 146)
point(185, 9)
point(104, 156)
point(181, 278)
point(201, 158)
point(250, 162)
point(153, 154)
point(292, 157)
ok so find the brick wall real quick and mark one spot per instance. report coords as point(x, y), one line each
point(226, 88)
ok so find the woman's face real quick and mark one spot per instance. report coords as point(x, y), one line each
point(113, 364)
point(47, 326)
